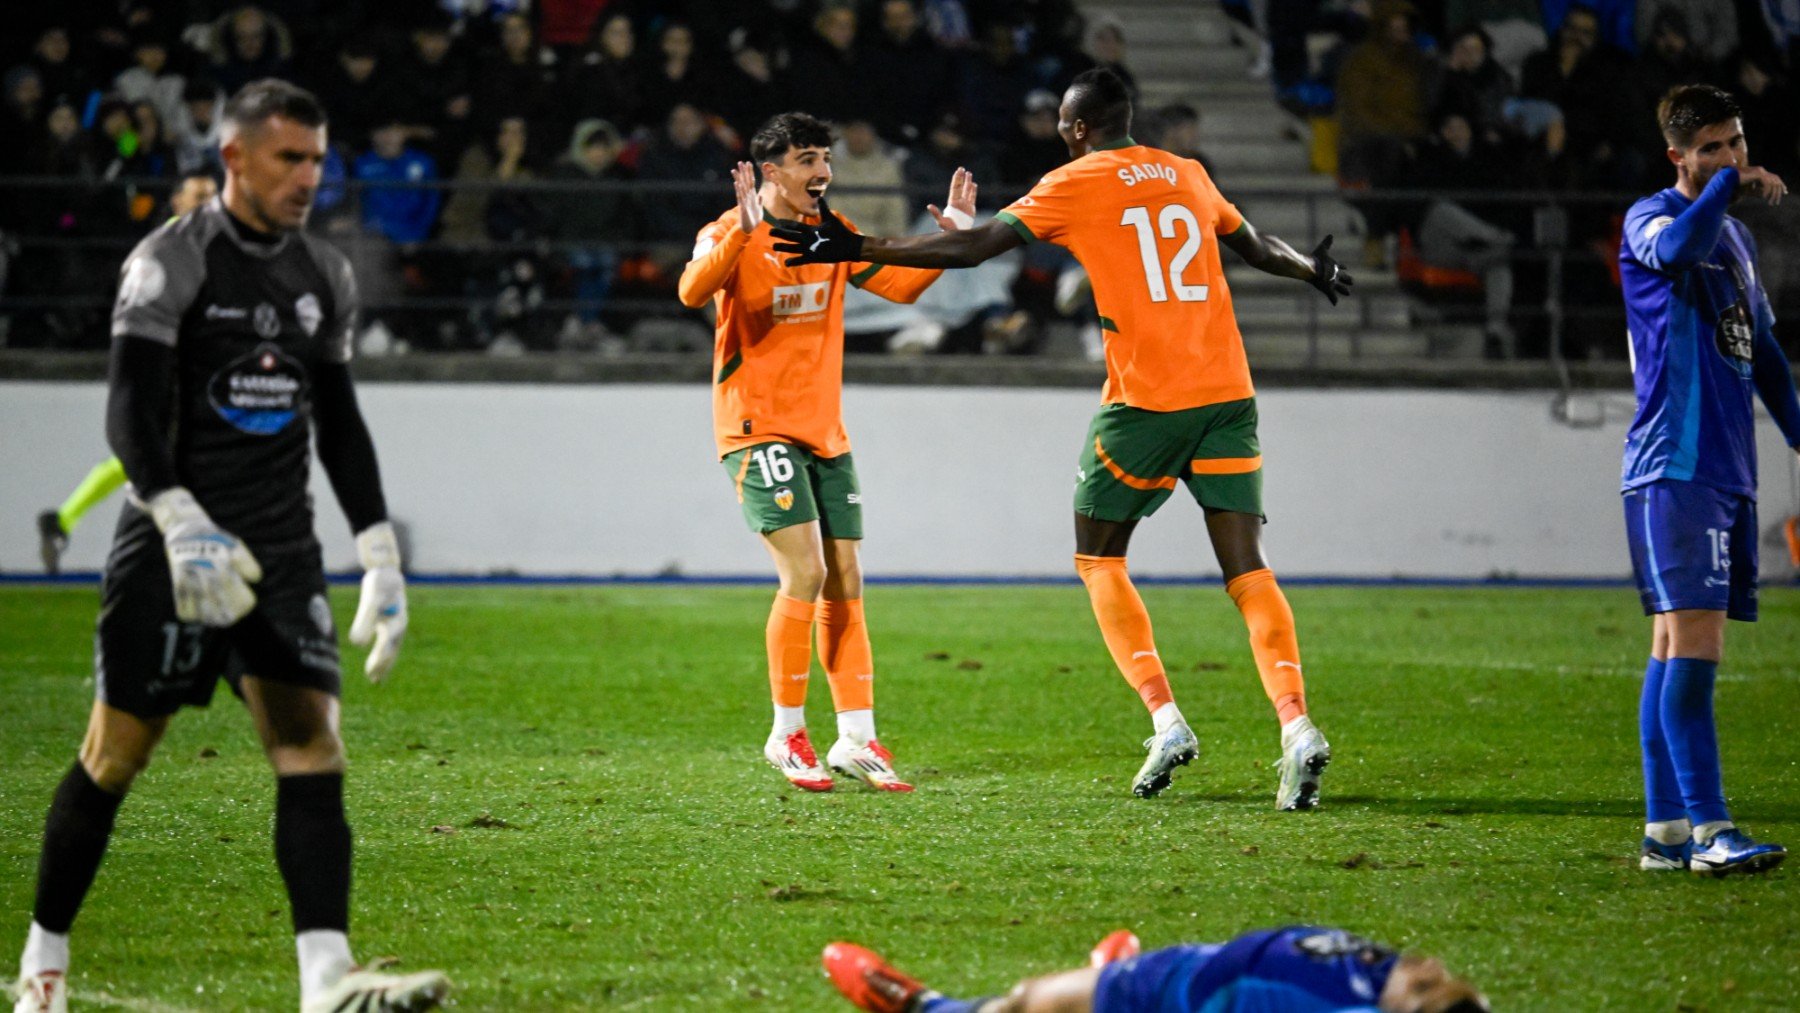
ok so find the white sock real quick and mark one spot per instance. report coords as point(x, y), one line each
point(44, 951)
point(1703, 834)
point(1165, 717)
point(788, 720)
point(857, 725)
point(1669, 832)
point(1294, 729)
point(324, 958)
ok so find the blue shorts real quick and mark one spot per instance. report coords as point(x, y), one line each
point(1155, 982)
point(1692, 547)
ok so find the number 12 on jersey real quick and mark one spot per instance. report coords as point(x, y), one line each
point(1139, 218)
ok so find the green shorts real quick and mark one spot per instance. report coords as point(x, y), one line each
point(780, 485)
point(1134, 458)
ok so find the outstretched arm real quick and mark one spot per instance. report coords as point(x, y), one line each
point(832, 242)
point(717, 252)
point(1271, 254)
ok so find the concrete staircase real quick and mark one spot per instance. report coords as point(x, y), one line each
point(1189, 51)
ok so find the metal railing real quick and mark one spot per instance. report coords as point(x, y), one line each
point(63, 239)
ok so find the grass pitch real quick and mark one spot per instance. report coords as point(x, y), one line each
point(560, 799)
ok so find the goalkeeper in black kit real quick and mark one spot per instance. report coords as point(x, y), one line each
point(231, 344)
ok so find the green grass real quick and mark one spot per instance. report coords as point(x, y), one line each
point(612, 838)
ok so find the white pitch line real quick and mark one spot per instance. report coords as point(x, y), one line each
point(85, 997)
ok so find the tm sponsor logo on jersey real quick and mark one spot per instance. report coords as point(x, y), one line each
point(1143, 172)
point(799, 301)
point(258, 393)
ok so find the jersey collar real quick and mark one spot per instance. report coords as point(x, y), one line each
point(1123, 142)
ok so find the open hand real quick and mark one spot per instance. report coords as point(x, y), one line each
point(961, 199)
point(750, 209)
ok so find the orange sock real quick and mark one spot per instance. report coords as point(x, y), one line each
point(845, 652)
point(1272, 640)
point(1125, 624)
point(789, 640)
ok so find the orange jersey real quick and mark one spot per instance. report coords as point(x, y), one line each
point(1144, 223)
point(778, 347)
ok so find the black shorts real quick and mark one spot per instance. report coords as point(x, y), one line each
point(148, 663)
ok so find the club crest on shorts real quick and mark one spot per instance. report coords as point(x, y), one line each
point(320, 613)
point(784, 498)
point(268, 325)
point(307, 311)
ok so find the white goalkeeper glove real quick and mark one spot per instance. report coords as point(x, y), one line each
point(381, 612)
point(211, 570)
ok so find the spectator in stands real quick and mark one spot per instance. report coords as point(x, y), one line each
point(835, 85)
point(948, 23)
point(1034, 147)
point(195, 131)
point(1515, 28)
point(994, 83)
point(432, 92)
point(150, 79)
point(608, 82)
point(1670, 58)
point(1103, 46)
point(1769, 103)
point(391, 208)
point(947, 146)
point(1381, 111)
point(907, 74)
point(860, 159)
point(249, 45)
point(22, 117)
point(1604, 109)
point(591, 223)
point(1175, 128)
point(489, 211)
point(751, 90)
point(516, 79)
point(64, 79)
point(684, 152)
point(154, 156)
point(357, 91)
point(64, 149)
point(1472, 85)
point(678, 75)
point(1452, 235)
point(1614, 20)
point(1712, 25)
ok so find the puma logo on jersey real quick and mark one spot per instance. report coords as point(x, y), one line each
point(1145, 171)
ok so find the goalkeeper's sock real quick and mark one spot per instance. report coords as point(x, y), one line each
point(76, 830)
point(1273, 641)
point(102, 481)
point(1125, 625)
point(788, 638)
point(844, 651)
point(324, 956)
point(1687, 720)
point(44, 951)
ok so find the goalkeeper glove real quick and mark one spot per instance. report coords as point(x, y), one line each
point(381, 611)
point(829, 242)
point(211, 571)
point(1329, 276)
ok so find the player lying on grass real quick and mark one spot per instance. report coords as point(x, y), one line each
point(1178, 406)
point(107, 477)
point(1300, 969)
point(1702, 349)
point(231, 345)
point(778, 377)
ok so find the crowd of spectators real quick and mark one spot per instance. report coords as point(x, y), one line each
point(598, 134)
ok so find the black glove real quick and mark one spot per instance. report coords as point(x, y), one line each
point(829, 242)
point(1329, 276)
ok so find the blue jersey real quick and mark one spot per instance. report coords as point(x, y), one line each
point(1694, 331)
point(1301, 969)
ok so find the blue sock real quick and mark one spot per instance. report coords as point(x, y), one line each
point(945, 1004)
point(1662, 792)
point(1687, 721)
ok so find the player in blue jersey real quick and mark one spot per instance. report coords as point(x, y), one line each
point(1702, 349)
point(1299, 969)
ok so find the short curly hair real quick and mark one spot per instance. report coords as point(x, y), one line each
point(1689, 107)
point(788, 130)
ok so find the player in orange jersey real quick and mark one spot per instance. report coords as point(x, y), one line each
point(1178, 407)
point(778, 374)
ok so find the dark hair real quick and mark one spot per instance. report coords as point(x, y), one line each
point(1099, 98)
point(788, 130)
point(258, 101)
point(1689, 107)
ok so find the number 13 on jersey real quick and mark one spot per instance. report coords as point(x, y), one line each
point(1154, 275)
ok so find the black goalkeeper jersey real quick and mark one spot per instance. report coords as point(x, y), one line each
point(249, 322)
